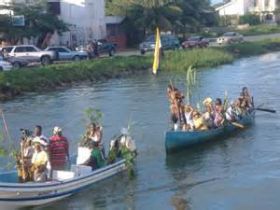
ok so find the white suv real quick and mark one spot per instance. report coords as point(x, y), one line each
point(30, 53)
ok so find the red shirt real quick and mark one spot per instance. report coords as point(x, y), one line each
point(58, 151)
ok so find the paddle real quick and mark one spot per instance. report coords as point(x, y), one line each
point(265, 110)
point(237, 125)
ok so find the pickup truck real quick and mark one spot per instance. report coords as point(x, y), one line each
point(29, 54)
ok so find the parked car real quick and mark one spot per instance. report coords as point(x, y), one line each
point(29, 53)
point(230, 38)
point(5, 65)
point(105, 46)
point(167, 42)
point(64, 53)
point(195, 41)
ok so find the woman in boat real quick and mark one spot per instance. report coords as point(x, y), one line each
point(188, 116)
point(39, 161)
point(174, 116)
point(96, 160)
point(199, 123)
point(208, 115)
point(58, 150)
point(218, 113)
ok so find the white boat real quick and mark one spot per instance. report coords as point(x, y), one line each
point(64, 184)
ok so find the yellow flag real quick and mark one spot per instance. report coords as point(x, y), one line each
point(157, 52)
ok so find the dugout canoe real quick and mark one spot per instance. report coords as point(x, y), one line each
point(177, 140)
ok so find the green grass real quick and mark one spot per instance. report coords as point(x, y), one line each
point(50, 77)
point(198, 58)
point(260, 29)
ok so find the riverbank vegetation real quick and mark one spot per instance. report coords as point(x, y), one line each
point(45, 78)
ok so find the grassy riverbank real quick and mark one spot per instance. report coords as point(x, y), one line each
point(38, 79)
point(14, 83)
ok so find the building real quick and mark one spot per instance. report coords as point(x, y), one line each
point(115, 31)
point(265, 8)
point(86, 19)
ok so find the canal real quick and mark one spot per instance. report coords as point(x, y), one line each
point(241, 172)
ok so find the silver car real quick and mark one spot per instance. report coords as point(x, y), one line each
point(4, 65)
point(63, 53)
point(29, 53)
point(230, 38)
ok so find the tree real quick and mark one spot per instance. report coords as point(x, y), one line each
point(177, 16)
point(39, 22)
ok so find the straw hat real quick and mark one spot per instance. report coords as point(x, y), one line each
point(38, 140)
point(207, 101)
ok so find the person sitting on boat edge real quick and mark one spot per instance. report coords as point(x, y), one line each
point(96, 160)
point(246, 99)
point(58, 150)
point(39, 161)
point(199, 123)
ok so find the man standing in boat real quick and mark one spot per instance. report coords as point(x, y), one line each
point(38, 133)
point(58, 150)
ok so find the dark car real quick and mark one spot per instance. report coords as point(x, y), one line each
point(195, 42)
point(106, 47)
point(168, 42)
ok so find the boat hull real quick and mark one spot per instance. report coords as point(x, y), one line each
point(177, 140)
point(15, 195)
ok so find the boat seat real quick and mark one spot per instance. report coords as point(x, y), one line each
point(62, 175)
point(80, 170)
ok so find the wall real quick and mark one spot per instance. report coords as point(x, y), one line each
point(235, 7)
point(87, 19)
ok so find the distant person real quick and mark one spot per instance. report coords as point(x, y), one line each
point(95, 49)
point(58, 150)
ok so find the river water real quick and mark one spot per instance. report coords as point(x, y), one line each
point(242, 172)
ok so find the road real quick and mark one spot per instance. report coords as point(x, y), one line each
point(246, 38)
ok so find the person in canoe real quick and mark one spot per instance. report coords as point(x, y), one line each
point(246, 99)
point(198, 121)
point(58, 150)
point(208, 114)
point(39, 161)
point(218, 113)
point(189, 126)
point(176, 99)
